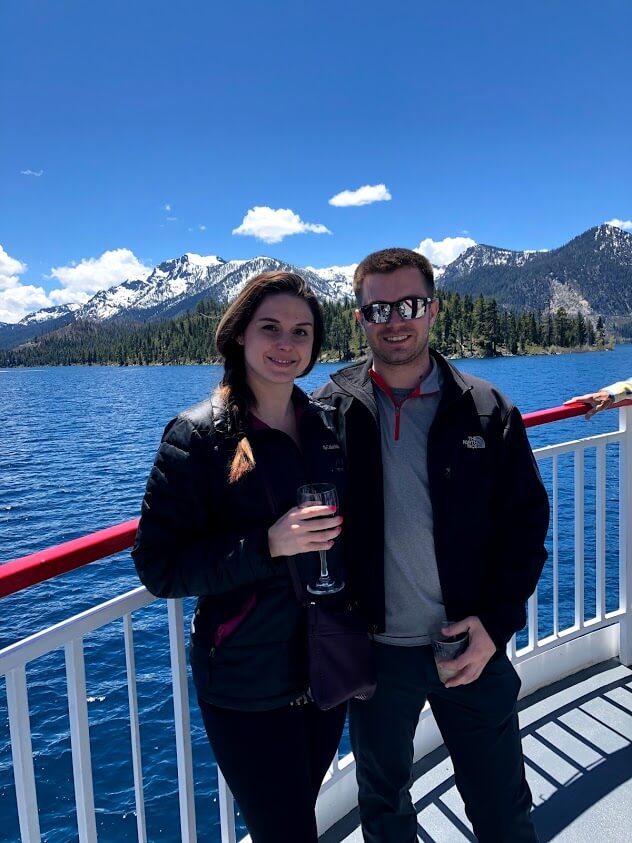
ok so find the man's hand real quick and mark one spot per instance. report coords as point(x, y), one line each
point(471, 663)
point(598, 401)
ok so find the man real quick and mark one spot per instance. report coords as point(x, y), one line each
point(605, 397)
point(445, 519)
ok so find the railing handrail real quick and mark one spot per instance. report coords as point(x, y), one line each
point(565, 411)
point(19, 574)
point(45, 564)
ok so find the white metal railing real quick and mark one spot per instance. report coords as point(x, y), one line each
point(70, 635)
point(565, 650)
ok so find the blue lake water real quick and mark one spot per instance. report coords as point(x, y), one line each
point(76, 445)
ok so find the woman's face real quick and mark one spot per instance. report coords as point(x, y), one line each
point(278, 340)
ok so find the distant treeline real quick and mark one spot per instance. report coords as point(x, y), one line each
point(464, 327)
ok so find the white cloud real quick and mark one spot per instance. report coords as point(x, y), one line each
point(16, 302)
point(626, 225)
point(36, 173)
point(93, 274)
point(442, 252)
point(272, 225)
point(17, 299)
point(79, 282)
point(167, 207)
point(172, 219)
point(10, 269)
point(364, 195)
point(202, 227)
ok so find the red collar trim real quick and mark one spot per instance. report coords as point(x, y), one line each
point(381, 383)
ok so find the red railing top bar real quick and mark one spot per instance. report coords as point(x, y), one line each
point(566, 411)
point(38, 567)
point(45, 564)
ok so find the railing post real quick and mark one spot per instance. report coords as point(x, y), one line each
point(177, 648)
point(625, 535)
point(80, 741)
point(579, 537)
point(20, 729)
point(134, 722)
point(226, 810)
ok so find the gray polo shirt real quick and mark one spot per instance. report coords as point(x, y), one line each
point(414, 602)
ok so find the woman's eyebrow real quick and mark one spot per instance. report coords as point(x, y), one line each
point(278, 321)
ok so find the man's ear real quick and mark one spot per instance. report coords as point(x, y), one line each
point(358, 316)
point(434, 311)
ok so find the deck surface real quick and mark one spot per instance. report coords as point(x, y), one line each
point(577, 741)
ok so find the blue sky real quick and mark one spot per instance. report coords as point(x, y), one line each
point(132, 132)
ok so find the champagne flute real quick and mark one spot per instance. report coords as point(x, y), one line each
point(325, 494)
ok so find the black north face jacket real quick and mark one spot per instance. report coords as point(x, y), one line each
point(201, 535)
point(490, 508)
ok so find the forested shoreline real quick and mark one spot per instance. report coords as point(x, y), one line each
point(465, 327)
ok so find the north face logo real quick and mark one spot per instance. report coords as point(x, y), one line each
point(474, 442)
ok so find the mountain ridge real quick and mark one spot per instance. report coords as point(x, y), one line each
point(591, 274)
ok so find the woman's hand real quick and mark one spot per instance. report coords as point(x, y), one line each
point(303, 530)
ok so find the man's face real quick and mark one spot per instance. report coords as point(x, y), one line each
point(398, 342)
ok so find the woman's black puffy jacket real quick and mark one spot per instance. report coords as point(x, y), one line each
point(201, 535)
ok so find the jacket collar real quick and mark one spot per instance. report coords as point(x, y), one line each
point(223, 422)
point(356, 380)
point(454, 383)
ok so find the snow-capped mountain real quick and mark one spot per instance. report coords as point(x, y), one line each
point(339, 277)
point(173, 287)
point(48, 313)
point(481, 255)
point(592, 274)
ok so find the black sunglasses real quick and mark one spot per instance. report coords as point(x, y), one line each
point(380, 311)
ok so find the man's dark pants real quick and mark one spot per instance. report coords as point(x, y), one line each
point(479, 725)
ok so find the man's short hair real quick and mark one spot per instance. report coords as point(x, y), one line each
point(388, 260)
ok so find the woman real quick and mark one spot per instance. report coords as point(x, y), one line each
point(218, 519)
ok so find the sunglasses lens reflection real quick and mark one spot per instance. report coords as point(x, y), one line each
point(380, 311)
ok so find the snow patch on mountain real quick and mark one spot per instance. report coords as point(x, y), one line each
point(48, 313)
point(201, 260)
point(340, 278)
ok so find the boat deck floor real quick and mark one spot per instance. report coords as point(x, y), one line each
point(577, 742)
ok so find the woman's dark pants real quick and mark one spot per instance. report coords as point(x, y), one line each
point(479, 726)
point(274, 763)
